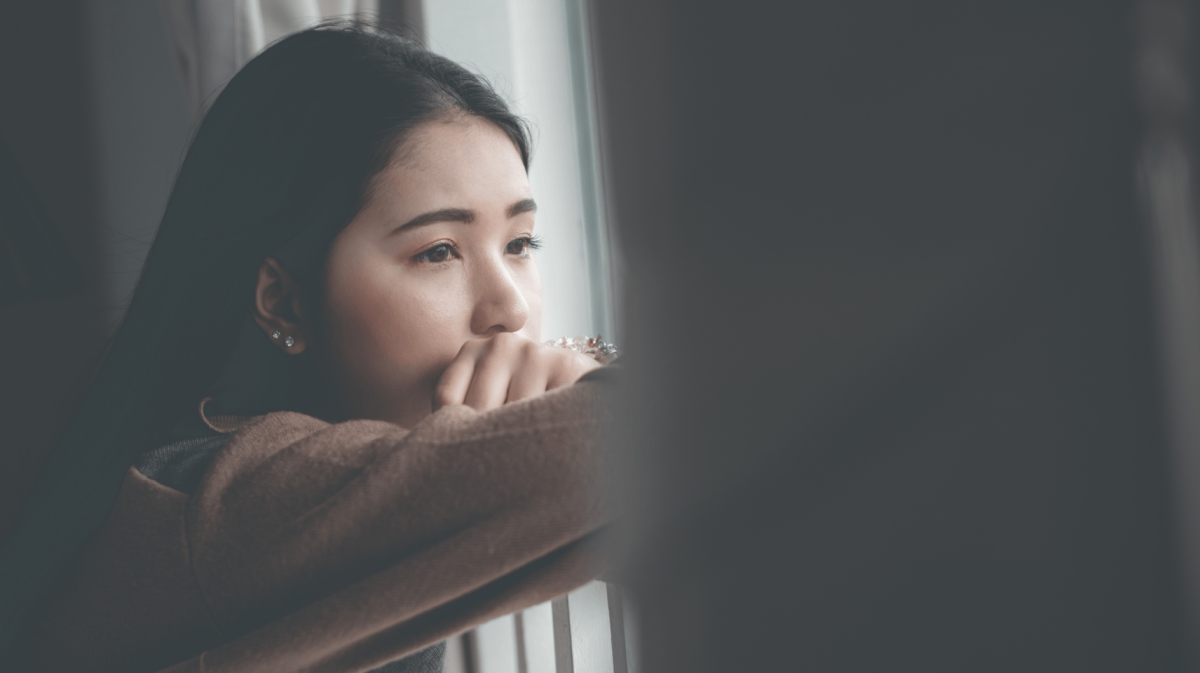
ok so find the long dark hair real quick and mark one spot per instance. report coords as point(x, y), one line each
point(281, 163)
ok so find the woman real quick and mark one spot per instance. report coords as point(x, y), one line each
point(343, 276)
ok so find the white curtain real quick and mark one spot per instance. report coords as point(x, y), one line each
point(212, 39)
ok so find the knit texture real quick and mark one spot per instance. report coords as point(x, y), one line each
point(334, 548)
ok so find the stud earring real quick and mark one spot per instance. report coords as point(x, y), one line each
point(276, 334)
point(289, 342)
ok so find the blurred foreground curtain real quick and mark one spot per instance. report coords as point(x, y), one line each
point(212, 39)
point(899, 392)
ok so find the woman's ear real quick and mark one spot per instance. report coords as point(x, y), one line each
point(279, 307)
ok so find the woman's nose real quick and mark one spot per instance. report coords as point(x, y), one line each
point(500, 305)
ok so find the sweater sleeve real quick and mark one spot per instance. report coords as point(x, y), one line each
point(338, 547)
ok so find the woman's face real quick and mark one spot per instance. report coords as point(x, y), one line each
point(439, 255)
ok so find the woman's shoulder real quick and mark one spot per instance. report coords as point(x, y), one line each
point(180, 465)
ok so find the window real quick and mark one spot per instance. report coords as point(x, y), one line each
point(586, 631)
point(535, 53)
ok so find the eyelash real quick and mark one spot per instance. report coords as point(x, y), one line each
point(531, 243)
point(424, 255)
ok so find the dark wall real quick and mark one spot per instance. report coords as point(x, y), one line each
point(894, 401)
point(47, 345)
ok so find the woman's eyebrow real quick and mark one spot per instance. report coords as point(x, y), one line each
point(461, 215)
point(443, 215)
point(522, 206)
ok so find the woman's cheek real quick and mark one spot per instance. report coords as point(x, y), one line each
point(411, 326)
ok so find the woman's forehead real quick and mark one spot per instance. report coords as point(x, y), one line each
point(464, 158)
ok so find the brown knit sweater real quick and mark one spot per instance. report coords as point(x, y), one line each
point(320, 547)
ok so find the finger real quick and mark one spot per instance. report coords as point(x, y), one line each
point(489, 385)
point(570, 369)
point(452, 387)
point(529, 380)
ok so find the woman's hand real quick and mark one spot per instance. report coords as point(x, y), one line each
point(504, 368)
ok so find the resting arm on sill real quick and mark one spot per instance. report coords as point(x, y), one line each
point(316, 547)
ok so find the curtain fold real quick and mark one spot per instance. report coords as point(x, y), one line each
point(211, 39)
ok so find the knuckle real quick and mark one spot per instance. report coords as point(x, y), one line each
point(506, 339)
point(530, 348)
point(581, 365)
point(442, 394)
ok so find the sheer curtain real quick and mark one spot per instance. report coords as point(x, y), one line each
point(211, 39)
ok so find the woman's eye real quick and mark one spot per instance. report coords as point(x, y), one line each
point(523, 245)
point(437, 254)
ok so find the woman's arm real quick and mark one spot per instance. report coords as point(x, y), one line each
point(337, 546)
